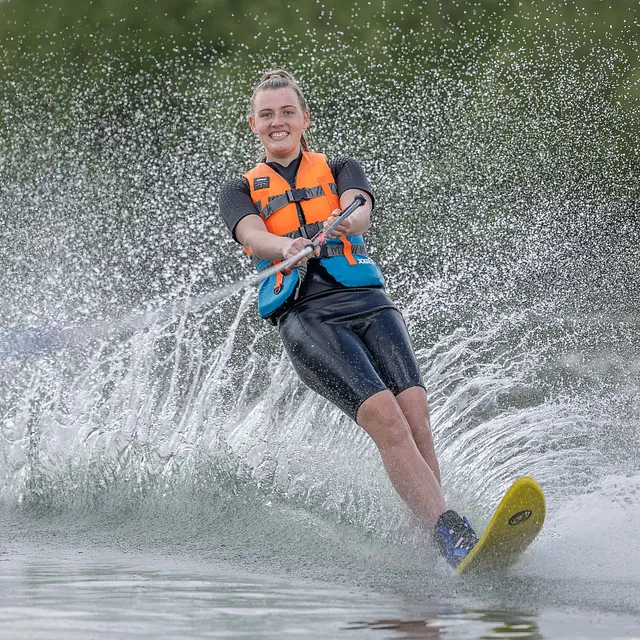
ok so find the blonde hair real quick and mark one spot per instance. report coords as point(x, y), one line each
point(280, 79)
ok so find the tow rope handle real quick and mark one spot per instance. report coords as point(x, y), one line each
point(317, 241)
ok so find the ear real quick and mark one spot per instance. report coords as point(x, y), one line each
point(252, 124)
point(306, 120)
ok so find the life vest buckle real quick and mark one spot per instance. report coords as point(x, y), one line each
point(303, 193)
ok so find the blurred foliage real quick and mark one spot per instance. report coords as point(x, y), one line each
point(142, 32)
point(92, 47)
point(107, 43)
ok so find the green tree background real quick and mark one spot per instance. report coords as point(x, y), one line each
point(120, 39)
point(159, 29)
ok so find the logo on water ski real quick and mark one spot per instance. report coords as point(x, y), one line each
point(520, 517)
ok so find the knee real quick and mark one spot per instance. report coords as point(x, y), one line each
point(384, 421)
point(394, 434)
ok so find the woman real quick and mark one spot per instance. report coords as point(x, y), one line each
point(346, 339)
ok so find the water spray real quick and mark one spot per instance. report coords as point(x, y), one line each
point(34, 342)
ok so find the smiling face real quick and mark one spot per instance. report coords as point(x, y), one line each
point(279, 120)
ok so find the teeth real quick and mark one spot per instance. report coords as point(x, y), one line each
point(281, 134)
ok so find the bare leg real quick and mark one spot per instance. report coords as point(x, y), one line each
point(383, 419)
point(413, 402)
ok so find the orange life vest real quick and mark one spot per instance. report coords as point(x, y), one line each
point(315, 191)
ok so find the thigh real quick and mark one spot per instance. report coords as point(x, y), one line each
point(331, 359)
point(386, 338)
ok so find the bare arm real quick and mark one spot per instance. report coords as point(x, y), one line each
point(358, 222)
point(252, 233)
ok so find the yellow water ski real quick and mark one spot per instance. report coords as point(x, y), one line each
point(513, 527)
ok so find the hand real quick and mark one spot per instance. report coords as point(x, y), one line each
point(297, 245)
point(342, 229)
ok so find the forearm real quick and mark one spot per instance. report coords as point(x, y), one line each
point(361, 217)
point(360, 222)
point(266, 245)
point(252, 233)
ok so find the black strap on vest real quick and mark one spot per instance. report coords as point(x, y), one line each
point(306, 231)
point(330, 250)
point(326, 251)
point(294, 195)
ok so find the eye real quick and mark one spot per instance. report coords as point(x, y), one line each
point(265, 114)
point(289, 112)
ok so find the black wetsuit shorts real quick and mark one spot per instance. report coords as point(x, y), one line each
point(348, 345)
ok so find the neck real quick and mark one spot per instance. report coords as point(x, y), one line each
point(285, 161)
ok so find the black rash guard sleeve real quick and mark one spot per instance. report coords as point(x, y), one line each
point(235, 203)
point(349, 175)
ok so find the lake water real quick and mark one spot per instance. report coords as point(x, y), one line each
point(80, 584)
